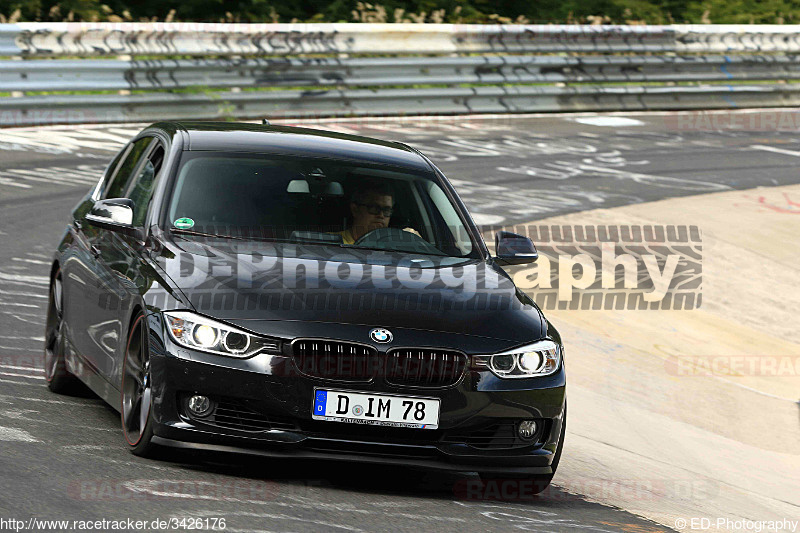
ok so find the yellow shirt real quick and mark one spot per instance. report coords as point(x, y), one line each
point(347, 236)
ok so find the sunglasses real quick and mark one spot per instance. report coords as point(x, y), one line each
point(375, 209)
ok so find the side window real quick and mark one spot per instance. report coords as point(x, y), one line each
point(140, 189)
point(446, 218)
point(109, 172)
point(126, 169)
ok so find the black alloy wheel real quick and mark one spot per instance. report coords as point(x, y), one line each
point(137, 391)
point(58, 378)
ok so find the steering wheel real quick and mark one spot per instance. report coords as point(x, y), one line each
point(396, 239)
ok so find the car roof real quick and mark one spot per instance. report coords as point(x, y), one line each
point(247, 137)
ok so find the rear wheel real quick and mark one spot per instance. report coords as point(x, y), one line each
point(137, 425)
point(58, 378)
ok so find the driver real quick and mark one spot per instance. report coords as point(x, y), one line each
point(371, 206)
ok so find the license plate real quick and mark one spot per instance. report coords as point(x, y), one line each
point(375, 409)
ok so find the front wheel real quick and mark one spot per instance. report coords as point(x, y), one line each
point(137, 424)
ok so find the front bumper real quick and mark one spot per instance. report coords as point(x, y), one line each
point(275, 403)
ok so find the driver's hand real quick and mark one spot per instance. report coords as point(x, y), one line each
point(412, 230)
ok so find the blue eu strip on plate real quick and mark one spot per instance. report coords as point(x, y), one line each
point(319, 402)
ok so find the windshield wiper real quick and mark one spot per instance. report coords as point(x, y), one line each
point(182, 231)
point(392, 250)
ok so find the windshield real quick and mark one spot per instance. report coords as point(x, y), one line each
point(318, 201)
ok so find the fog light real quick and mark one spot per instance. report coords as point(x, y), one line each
point(527, 429)
point(199, 405)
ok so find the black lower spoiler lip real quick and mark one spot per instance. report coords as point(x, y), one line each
point(355, 457)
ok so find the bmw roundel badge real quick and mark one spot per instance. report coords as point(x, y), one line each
point(381, 335)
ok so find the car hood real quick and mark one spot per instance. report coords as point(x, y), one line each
point(245, 281)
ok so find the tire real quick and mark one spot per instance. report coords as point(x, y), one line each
point(136, 394)
point(58, 378)
point(540, 482)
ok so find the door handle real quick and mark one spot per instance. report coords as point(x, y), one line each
point(78, 224)
point(95, 250)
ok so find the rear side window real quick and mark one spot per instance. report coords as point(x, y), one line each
point(122, 178)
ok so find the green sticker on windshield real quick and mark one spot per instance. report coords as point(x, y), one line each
point(184, 223)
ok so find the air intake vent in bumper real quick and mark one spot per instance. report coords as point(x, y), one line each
point(230, 413)
point(498, 436)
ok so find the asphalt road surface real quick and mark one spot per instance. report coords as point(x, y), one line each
point(63, 457)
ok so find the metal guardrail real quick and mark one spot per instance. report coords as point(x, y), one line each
point(489, 99)
point(165, 74)
point(187, 70)
point(718, 38)
point(159, 39)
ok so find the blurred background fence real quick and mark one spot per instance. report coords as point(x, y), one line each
point(120, 72)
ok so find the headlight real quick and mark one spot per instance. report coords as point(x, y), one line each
point(541, 358)
point(201, 333)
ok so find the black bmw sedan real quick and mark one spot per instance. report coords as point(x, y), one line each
point(291, 292)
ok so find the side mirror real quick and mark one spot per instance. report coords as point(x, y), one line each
point(115, 214)
point(513, 249)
